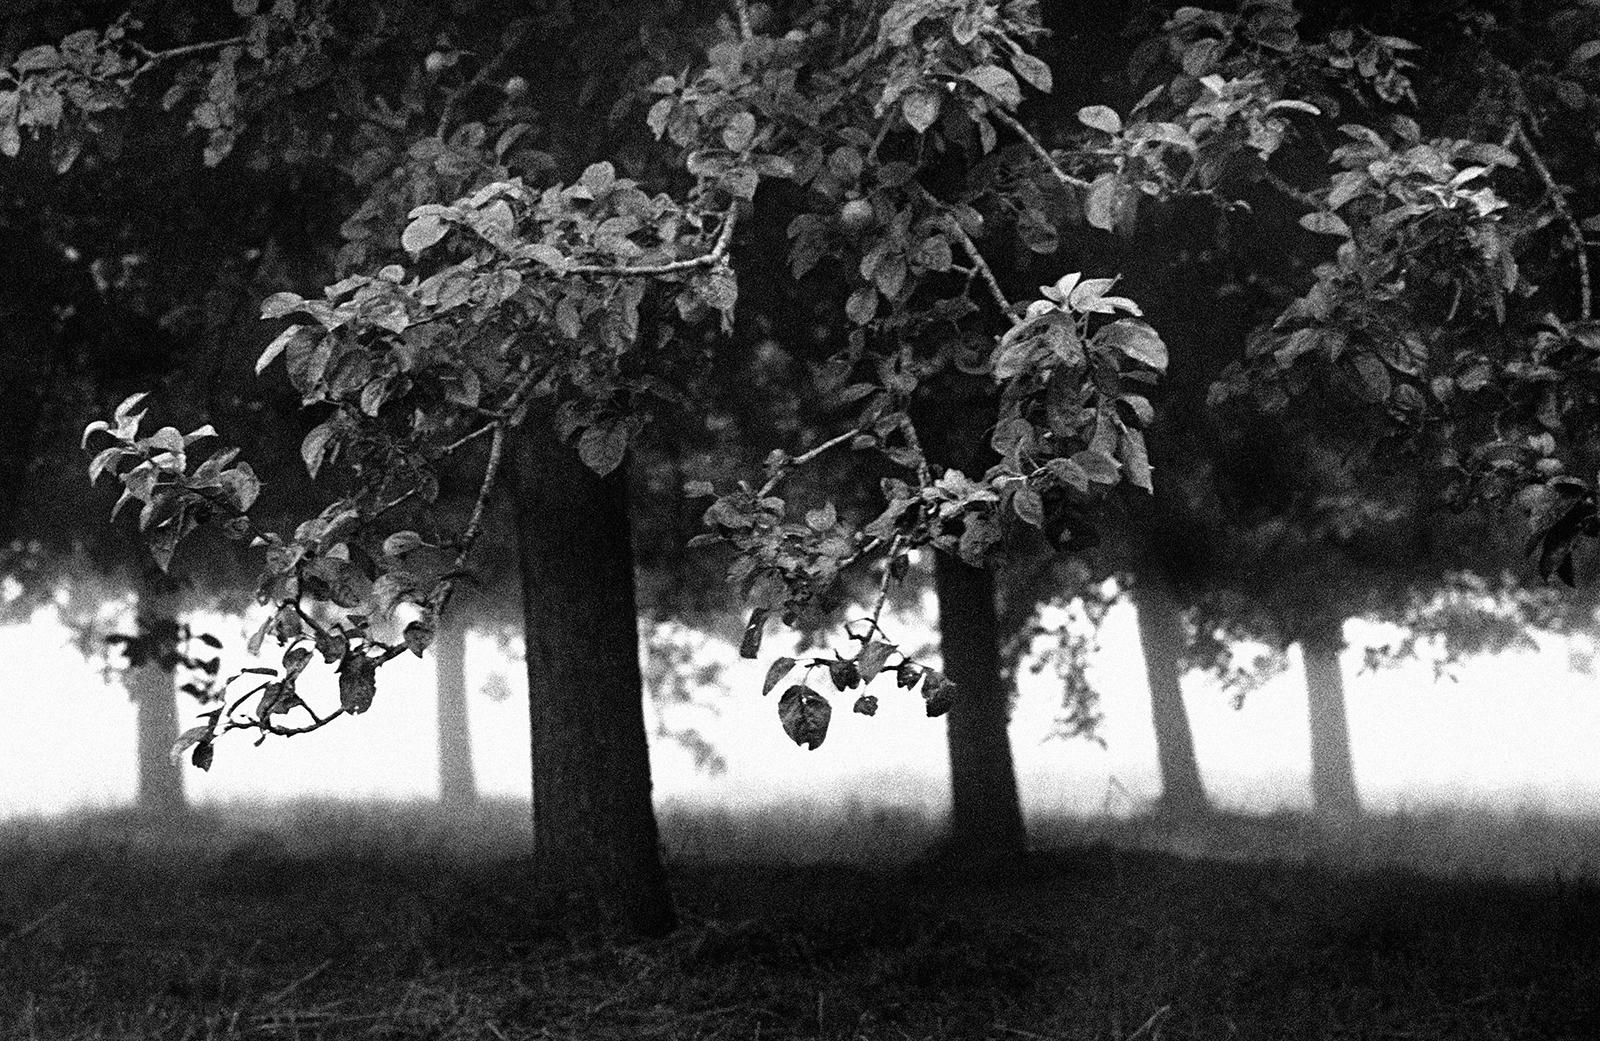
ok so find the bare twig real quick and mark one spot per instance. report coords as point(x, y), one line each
point(1559, 201)
point(1149, 1024)
point(153, 59)
point(1040, 150)
point(806, 457)
point(279, 995)
point(742, 9)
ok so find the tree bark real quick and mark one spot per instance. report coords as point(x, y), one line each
point(595, 839)
point(1333, 780)
point(152, 689)
point(457, 784)
point(1161, 639)
point(986, 814)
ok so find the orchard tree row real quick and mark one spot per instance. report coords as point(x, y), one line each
point(873, 283)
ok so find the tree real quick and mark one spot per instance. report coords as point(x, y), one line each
point(457, 785)
point(591, 279)
point(1161, 637)
point(878, 156)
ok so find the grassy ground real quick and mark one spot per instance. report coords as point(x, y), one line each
point(389, 922)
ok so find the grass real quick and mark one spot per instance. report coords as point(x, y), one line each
point(394, 922)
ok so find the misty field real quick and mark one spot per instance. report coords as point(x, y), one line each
point(389, 922)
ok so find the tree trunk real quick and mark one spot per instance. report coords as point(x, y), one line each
point(1161, 639)
point(986, 815)
point(595, 839)
point(152, 690)
point(1333, 780)
point(457, 786)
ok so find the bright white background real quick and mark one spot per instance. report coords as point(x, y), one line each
point(1519, 731)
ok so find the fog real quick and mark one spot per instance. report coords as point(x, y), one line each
point(1515, 732)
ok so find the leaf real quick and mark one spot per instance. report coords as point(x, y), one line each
point(739, 132)
point(421, 233)
point(187, 739)
point(314, 449)
point(106, 459)
point(843, 674)
point(278, 305)
point(358, 682)
point(1101, 468)
point(862, 305)
point(418, 637)
point(754, 630)
point(1032, 69)
point(276, 347)
point(1100, 206)
point(1103, 118)
point(921, 109)
point(823, 518)
point(241, 486)
point(871, 660)
point(997, 83)
point(1029, 506)
point(204, 753)
point(779, 668)
point(1325, 223)
point(938, 693)
point(401, 543)
point(1136, 340)
point(867, 705)
point(1136, 460)
point(603, 447)
point(805, 715)
point(1584, 52)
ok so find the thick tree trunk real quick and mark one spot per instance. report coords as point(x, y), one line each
point(595, 839)
point(1161, 639)
point(152, 690)
point(1333, 779)
point(457, 785)
point(986, 815)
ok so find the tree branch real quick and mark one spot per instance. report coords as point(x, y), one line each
point(807, 456)
point(718, 253)
point(1040, 150)
point(981, 265)
point(1519, 134)
point(155, 58)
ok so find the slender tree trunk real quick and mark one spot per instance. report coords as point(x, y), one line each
point(1161, 639)
point(1333, 779)
point(986, 815)
point(152, 690)
point(595, 839)
point(457, 785)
